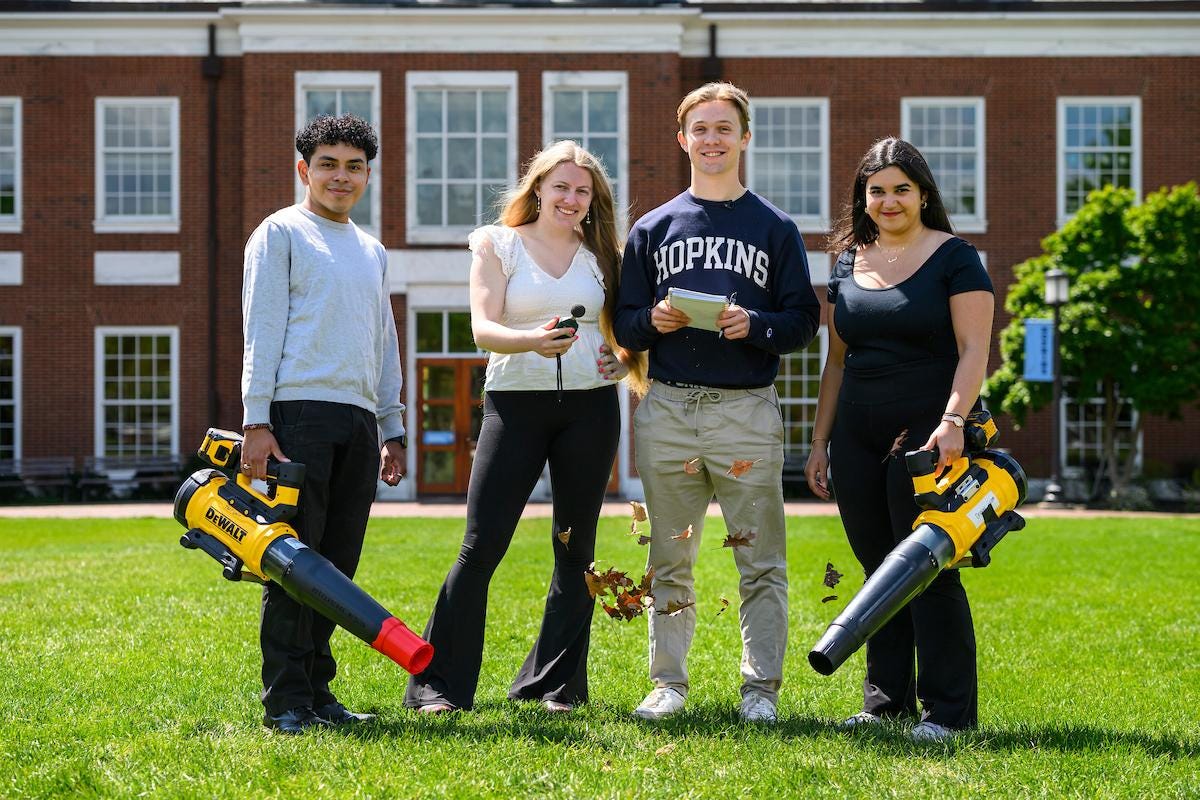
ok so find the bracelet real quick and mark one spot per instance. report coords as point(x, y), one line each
point(954, 419)
point(255, 426)
point(819, 439)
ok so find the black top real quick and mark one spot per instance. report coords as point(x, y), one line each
point(745, 247)
point(908, 325)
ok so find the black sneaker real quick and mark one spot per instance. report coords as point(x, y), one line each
point(338, 714)
point(295, 721)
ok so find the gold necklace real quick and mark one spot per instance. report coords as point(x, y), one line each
point(897, 252)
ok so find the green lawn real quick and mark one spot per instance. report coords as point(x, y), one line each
point(129, 667)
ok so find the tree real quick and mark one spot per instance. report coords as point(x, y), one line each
point(1131, 327)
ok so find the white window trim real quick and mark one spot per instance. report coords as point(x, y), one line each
point(807, 223)
point(165, 224)
point(354, 81)
point(98, 383)
point(12, 223)
point(618, 81)
point(15, 333)
point(1135, 167)
point(964, 223)
point(414, 81)
point(822, 337)
point(1075, 472)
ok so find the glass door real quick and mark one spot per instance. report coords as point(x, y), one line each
point(449, 416)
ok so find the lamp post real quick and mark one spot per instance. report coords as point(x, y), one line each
point(1057, 287)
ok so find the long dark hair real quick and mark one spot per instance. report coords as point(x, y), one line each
point(855, 228)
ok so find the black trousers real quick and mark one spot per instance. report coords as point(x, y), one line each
point(339, 446)
point(521, 432)
point(874, 497)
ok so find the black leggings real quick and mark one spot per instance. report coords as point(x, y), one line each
point(521, 432)
point(874, 496)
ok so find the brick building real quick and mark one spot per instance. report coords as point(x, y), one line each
point(140, 143)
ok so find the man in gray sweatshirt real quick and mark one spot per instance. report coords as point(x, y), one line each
point(320, 385)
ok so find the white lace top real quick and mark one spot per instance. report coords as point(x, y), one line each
point(531, 299)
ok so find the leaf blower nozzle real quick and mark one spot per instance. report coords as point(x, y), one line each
point(968, 511)
point(246, 531)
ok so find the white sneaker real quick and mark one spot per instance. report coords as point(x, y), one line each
point(756, 708)
point(659, 704)
point(931, 732)
point(862, 719)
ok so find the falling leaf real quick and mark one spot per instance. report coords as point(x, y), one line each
point(643, 540)
point(612, 612)
point(596, 585)
point(633, 528)
point(832, 576)
point(565, 537)
point(639, 511)
point(665, 749)
point(724, 605)
point(646, 580)
point(692, 466)
point(897, 445)
point(741, 467)
point(674, 609)
point(739, 539)
point(687, 533)
point(830, 597)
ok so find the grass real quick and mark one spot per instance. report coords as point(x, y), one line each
point(129, 667)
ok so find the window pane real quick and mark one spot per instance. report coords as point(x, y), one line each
point(461, 338)
point(568, 114)
point(495, 112)
point(460, 112)
point(429, 332)
point(495, 158)
point(429, 112)
point(461, 204)
point(429, 204)
point(460, 158)
point(358, 103)
point(602, 112)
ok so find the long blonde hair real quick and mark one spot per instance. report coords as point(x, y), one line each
point(599, 235)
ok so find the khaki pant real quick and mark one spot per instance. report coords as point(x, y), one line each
point(674, 425)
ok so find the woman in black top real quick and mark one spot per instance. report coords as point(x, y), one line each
point(911, 318)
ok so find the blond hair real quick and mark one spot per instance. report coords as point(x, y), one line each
point(599, 234)
point(717, 90)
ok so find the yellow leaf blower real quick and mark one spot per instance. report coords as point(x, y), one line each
point(968, 511)
point(248, 533)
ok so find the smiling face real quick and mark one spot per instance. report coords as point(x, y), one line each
point(334, 179)
point(713, 138)
point(893, 201)
point(566, 195)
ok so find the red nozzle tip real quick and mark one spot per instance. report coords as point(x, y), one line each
point(403, 646)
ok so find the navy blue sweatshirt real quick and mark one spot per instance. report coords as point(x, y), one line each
point(744, 246)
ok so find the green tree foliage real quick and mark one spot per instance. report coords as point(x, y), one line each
point(1131, 327)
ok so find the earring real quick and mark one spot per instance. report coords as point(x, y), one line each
point(588, 216)
point(539, 203)
point(924, 204)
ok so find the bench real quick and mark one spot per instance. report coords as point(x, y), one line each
point(32, 475)
point(121, 476)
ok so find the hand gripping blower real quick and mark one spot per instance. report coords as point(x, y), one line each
point(248, 533)
point(967, 511)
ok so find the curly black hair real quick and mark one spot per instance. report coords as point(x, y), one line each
point(346, 129)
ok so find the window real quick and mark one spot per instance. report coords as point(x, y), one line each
point(1099, 143)
point(445, 333)
point(10, 164)
point(10, 393)
point(334, 94)
point(137, 391)
point(591, 108)
point(788, 161)
point(798, 382)
point(462, 140)
point(137, 164)
point(949, 133)
point(1082, 432)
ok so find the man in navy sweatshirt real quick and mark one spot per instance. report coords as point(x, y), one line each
point(711, 424)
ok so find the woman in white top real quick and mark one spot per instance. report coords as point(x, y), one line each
point(549, 396)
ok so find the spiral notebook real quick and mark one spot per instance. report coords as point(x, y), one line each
point(702, 308)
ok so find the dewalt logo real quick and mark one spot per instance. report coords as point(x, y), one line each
point(225, 524)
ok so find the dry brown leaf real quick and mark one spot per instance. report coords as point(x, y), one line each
point(687, 533)
point(832, 576)
point(674, 609)
point(897, 445)
point(633, 528)
point(692, 466)
point(830, 597)
point(596, 585)
point(565, 537)
point(724, 605)
point(740, 467)
point(643, 540)
point(639, 511)
point(739, 539)
point(646, 580)
point(665, 749)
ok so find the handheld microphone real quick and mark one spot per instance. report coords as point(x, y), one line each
point(570, 325)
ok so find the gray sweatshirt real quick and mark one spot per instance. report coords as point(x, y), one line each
point(317, 319)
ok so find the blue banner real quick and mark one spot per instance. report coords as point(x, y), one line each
point(1039, 350)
